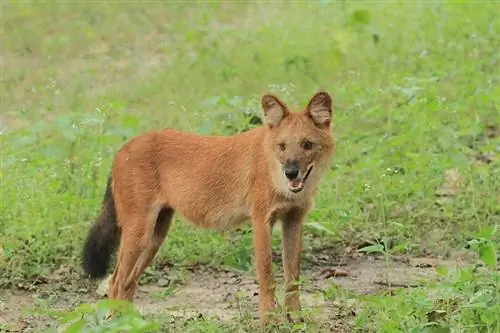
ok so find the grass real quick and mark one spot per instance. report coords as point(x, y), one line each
point(416, 90)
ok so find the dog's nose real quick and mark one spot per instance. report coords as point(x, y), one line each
point(291, 169)
point(291, 173)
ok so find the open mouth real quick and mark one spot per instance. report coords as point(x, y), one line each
point(297, 184)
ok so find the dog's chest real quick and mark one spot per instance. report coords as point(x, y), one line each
point(298, 203)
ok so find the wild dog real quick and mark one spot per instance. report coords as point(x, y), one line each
point(266, 174)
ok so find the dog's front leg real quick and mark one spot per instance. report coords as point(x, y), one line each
point(263, 257)
point(291, 248)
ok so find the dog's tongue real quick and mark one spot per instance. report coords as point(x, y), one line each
point(296, 183)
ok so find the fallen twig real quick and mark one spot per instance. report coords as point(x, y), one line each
point(396, 284)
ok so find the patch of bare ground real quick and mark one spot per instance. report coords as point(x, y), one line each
point(227, 295)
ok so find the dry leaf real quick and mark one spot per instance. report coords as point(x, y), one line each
point(403, 211)
point(485, 158)
point(436, 315)
point(492, 131)
point(60, 273)
point(423, 262)
point(333, 272)
point(162, 282)
point(369, 208)
point(453, 182)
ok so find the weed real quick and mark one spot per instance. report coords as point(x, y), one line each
point(467, 300)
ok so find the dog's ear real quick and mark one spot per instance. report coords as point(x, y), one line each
point(274, 110)
point(319, 109)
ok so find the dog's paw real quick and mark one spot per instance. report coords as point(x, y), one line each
point(103, 288)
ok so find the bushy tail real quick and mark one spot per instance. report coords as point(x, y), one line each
point(102, 238)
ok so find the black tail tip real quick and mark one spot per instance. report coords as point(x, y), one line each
point(96, 255)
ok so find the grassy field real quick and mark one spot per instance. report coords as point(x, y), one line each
point(412, 192)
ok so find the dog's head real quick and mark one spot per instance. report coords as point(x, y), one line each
point(301, 142)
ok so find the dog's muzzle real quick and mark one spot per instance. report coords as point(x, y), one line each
point(296, 184)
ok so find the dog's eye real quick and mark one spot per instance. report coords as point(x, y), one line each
point(282, 146)
point(306, 144)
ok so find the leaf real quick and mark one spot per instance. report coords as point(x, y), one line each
point(360, 17)
point(212, 101)
point(321, 227)
point(205, 129)
point(70, 134)
point(435, 329)
point(75, 327)
point(64, 122)
point(77, 314)
point(372, 248)
point(478, 305)
point(488, 255)
point(53, 152)
point(399, 248)
point(478, 296)
point(487, 232)
point(130, 122)
point(442, 270)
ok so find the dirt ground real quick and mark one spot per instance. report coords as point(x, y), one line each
point(226, 294)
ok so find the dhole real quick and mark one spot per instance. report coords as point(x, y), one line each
point(262, 175)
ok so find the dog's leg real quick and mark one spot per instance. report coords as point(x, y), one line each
point(153, 243)
point(292, 225)
point(131, 247)
point(263, 256)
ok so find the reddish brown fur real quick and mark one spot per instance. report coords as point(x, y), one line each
point(219, 182)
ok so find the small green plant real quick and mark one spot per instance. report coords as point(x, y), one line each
point(468, 299)
point(105, 316)
point(484, 245)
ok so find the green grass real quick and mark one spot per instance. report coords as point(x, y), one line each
point(416, 93)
